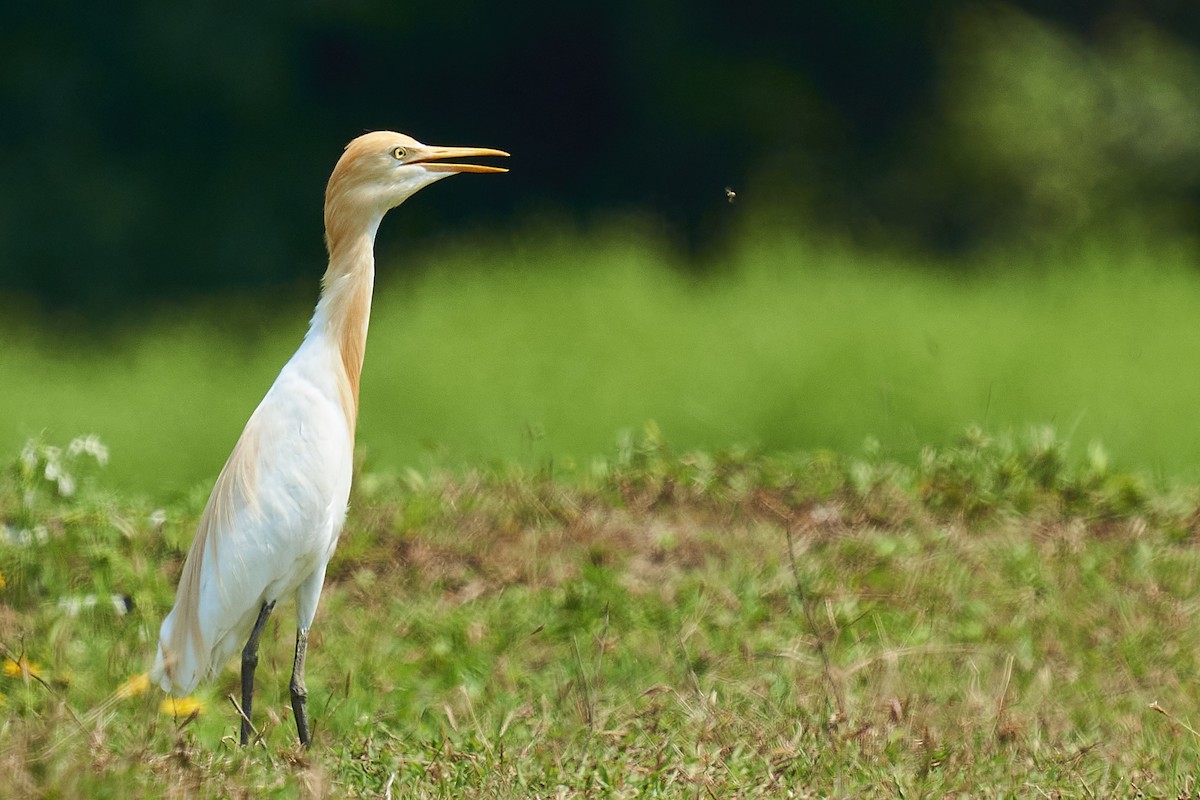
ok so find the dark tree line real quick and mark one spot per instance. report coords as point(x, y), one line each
point(154, 149)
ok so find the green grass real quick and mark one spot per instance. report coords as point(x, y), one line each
point(546, 345)
point(997, 619)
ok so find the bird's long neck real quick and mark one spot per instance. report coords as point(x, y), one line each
point(344, 310)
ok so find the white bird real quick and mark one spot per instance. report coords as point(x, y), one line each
point(277, 509)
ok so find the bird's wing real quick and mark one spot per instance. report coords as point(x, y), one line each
point(273, 516)
point(185, 652)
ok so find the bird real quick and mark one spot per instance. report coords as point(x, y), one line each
point(278, 506)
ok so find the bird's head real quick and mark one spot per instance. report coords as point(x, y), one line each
point(382, 169)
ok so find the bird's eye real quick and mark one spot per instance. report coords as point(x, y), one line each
point(399, 153)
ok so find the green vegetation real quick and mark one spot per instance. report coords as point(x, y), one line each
point(520, 610)
point(943, 614)
point(997, 619)
point(547, 346)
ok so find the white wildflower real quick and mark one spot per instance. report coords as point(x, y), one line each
point(29, 456)
point(91, 445)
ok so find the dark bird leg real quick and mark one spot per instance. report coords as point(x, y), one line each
point(299, 692)
point(249, 662)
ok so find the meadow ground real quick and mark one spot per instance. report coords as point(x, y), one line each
point(996, 619)
point(940, 614)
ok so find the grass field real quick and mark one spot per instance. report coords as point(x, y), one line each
point(544, 347)
point(996, 620)
point(823, 588)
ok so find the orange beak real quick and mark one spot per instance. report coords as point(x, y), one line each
point(431, 154)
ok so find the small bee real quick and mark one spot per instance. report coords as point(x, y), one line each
point(730, 194)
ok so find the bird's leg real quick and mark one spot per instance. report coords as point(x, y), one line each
point(307, 596)
point(299, 692)
point(249, 663)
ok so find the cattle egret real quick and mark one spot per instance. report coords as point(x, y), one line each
point(277, 509)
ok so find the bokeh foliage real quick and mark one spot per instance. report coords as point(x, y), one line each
point(494, 350)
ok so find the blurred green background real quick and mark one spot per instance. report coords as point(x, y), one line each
point(946, 213)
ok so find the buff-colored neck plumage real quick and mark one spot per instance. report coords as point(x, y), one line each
point(343, 312)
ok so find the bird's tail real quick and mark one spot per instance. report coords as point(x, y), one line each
point(177, 666)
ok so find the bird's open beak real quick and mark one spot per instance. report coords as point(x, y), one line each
point(436, 154)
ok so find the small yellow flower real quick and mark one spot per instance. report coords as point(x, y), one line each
point(181, 706)
point(3, 582)
point(17, 669)
point(135, 686)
